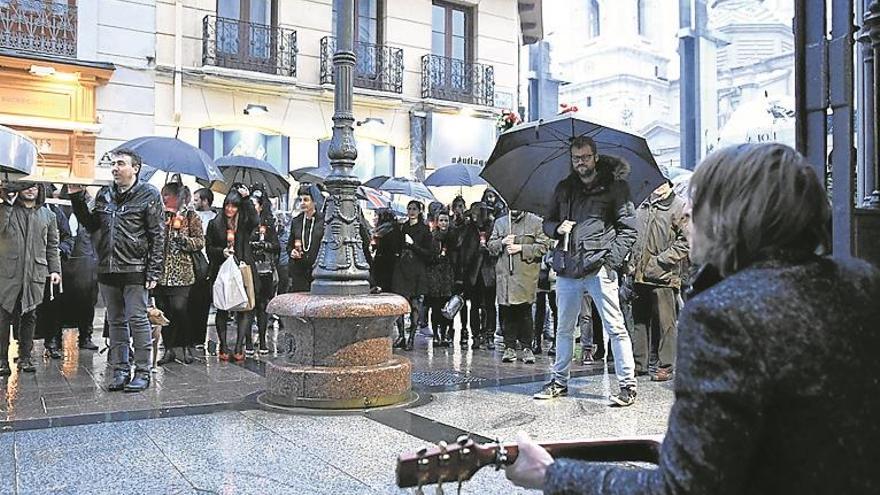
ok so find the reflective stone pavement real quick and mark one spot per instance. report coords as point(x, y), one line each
point(199, 429)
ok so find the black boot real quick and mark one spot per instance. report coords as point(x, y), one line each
point(400, 343)
point(411, 340)
point(24, 364)
point(52, 347)
point(5, 370)
point(139, 383)
point(85, 342)
point(188, 353)
point(168, 357)
point(120, 380)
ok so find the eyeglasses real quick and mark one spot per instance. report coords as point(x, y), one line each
point(581, 158)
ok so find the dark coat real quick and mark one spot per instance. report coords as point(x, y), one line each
point(215, 238)
point(441, 278)
point(776, 389)
point(410, 273)
point(660, 254)
point(28, 254)
point(604, 214)
point(389, 245)
point(301, 269)
point(474, 258)
point(127, 228)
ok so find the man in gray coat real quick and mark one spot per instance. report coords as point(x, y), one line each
point(28, 256)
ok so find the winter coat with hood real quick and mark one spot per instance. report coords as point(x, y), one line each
point(603, 211)
point(28, 253)
point(660, 254)
point(127, 229)
point(476, 263)
point(521, 286)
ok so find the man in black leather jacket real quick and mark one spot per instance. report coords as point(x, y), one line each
point(128, 233)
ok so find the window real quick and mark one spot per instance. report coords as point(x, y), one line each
point(642, 18)
point(367, 28)
point(451, 28)
point(244, 28)
point(593, 27)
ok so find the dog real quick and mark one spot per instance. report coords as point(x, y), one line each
point(157, 320)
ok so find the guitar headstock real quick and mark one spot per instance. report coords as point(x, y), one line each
point(448, 463)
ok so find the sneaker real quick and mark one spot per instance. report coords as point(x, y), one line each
point(552, 350)
point(264, 350)
point(587, 357)
point(25, 364)
point(119, 381)
point(249, 352)
point(626, 397)
point(663, 375)
point(509, 355)
point(551, 391)
point(528, 357)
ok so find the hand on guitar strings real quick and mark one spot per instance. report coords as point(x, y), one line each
point(531, 463)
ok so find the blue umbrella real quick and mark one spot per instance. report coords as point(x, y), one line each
point(174, 156)
point(249, 171)
point(18, 155)
point(530, 160)
point(458, 174)
point(401, 185)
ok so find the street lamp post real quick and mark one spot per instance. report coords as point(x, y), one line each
point(342, 268)
point(335, 345)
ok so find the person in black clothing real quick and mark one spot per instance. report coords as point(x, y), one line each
point(127, 226)
point(410, 279)
point(478, 276)
point(304, 242)
point(441, 279)
point(387, 239)
point(229, 234)
point(457, 223)
point(50, 314)
point(79, 273)
point(775, 340)
point(265, 246)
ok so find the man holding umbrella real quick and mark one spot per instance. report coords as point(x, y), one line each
point(128, 224)
point(594, 219)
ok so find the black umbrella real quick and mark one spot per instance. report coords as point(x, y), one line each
point(457, 174)
point(18, 155)
point(249, 171)
point(312, 175)
point(530, 160)
point(174, 156)
point(401, 185)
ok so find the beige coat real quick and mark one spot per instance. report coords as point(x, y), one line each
point(28, 254)
point(521, 286)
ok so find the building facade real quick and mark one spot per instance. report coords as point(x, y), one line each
point(255, 77)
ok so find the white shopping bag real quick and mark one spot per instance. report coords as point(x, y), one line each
point(229, 291)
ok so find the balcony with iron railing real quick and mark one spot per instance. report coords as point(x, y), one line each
point(377, 67)
point(457, 80)
point(38, 26)
point(236, 44)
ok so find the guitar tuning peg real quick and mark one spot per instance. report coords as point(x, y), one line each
point(419, 490)
point(439, 490)
point(460, 483)
point(421, 452)
point(443, 445)
point(463, 439)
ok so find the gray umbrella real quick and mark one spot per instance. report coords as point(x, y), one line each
point(530, 160)
point(401, 185)
point(18, 155)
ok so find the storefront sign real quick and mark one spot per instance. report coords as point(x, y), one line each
point(459, 139)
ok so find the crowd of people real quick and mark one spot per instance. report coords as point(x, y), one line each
point(601, 266)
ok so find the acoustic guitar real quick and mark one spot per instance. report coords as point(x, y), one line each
point(459, 461)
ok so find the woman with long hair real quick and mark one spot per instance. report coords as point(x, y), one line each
point(409, 279)
point(304, 241)
point(777, 340)
point(183, 236)
point(229, 234)
point(440, 278)
point(387, 241)
point(265, 246)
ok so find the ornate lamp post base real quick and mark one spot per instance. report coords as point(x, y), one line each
point(338, 352)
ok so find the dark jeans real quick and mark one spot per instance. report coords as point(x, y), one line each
point(178, 333)
point(483, 313)
point(26, 324)
point(654, 313)
point(267, 292)
point(127, 318)
point(200, 296)
point(545, 299)
point(283, 279)
point(517, 322)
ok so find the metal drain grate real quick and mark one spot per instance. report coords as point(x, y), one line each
point(437, 378)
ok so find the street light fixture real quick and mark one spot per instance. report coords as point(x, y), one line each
point(254, 109)
point(370, 122)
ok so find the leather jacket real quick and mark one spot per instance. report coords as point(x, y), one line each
point(128, 229)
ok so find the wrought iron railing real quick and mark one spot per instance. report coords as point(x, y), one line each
point(236, 44)
point(453, 79)
point(377, 67)
point(38, 26)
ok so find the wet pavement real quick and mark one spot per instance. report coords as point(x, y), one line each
point(200, 429)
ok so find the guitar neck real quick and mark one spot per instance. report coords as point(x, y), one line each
point(616, 450)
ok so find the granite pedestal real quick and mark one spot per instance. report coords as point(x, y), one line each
point(337, 352)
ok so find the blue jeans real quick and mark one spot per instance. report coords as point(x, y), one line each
point(127, 318)
point(602, 287)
